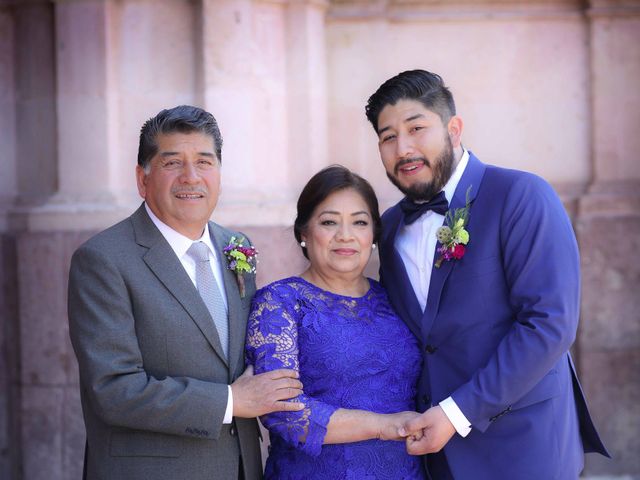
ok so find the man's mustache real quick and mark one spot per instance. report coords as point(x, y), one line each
point(406, 161)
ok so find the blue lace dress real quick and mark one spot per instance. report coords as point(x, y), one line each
point(351, 353)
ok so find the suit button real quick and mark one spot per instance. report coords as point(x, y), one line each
point(232, 431)
point(426, 399)
point(430, 349)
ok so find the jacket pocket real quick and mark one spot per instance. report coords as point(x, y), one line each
point(143, 444)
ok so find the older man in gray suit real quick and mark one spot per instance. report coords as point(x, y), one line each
point(158, 323)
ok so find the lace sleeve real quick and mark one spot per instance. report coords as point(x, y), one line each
point(272, 343)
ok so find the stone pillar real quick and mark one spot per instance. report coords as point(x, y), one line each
point(8, 190)
point(262, 75)
point(8, 178)
point(63, 150)
point(608, 230)
point(35, 106)
point(307, 108)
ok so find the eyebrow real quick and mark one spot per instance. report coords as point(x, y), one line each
point(409, 119)
point(331, 212)
point(171, 154)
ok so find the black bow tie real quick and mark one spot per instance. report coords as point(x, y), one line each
point(412, 211)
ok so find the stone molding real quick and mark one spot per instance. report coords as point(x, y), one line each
point(624, 10)
point(611, 199)
point(235, 207)
point(430, 10)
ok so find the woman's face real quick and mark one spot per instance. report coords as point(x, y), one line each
point(339, 234)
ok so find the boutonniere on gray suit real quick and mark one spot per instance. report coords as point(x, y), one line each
point(242, 260)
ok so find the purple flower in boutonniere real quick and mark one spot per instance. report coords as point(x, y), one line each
point(453, 237)
point(241, 260)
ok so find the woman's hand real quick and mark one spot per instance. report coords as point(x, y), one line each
point(391, 424)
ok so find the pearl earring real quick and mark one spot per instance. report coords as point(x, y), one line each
point(303, 244)
point(373, 247)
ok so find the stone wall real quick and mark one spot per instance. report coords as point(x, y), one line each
point(548, 86)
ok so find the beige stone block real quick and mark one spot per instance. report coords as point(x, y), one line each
point(35, 127)
point(610, 317)
point(42, 427)
point(616, 98)
point(523, 95)
point(610, 380)
point(45, 350)
point(73, 434)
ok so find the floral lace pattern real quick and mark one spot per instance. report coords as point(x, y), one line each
point(350, 353)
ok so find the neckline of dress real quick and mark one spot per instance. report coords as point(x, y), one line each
point(316, 287)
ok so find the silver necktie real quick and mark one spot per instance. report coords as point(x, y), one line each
point(210, 293)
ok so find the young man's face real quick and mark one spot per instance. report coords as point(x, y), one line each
point(416, 148)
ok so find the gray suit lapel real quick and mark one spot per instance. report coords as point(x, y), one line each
point(237, 316)
point(162, 261)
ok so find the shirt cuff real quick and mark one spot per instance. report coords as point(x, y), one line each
point(228, 413)
point(456, 417)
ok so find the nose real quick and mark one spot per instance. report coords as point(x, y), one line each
point(404, 147)
point(189, 174)
point(344, 232)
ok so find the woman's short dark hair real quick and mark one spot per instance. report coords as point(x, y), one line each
point(426, 87)
point(181, 119)
point(326, 182)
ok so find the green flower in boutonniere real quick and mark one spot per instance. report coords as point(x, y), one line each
point(452, 236)
point(241, 260)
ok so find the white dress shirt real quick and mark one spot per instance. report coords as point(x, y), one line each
point(416, 244)
point(180, 244)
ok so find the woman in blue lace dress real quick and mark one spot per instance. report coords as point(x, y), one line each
point(357, 361)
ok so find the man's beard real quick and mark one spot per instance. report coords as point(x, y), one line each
point(442, 168)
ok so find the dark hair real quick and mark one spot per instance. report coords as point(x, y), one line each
point(181, 119)
point(327, 181)
point(425, 87)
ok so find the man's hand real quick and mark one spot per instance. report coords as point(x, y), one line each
point(255, 395)
point(391, 424)
point(428, 433)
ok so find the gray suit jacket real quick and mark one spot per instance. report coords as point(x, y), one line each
point(153, 377)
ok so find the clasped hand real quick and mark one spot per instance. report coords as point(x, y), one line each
point(427, 433)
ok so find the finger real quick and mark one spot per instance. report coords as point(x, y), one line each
point(285, 393)
point(288, 406)
point(415, 424)
point(288, 383)
point(283, 373)
point(419, 447)
point(248, 372)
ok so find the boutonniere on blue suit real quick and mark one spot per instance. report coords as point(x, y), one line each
point(452, 236)
point(241, 260)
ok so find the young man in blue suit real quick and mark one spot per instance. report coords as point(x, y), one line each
point(494, 298)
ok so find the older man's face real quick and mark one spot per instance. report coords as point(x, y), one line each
point(182, 183)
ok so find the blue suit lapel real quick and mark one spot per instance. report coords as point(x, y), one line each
point(395, 277)
point(472, 177)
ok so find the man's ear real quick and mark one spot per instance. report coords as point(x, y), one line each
point(141, 181)
point(454, 128)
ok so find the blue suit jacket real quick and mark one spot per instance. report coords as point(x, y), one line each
point(497, 329)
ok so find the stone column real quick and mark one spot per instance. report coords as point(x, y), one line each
point(64, 178)
point(8, 180)
point(608, 230)
point(263, 77)
point(245, 66)
point(307, 96)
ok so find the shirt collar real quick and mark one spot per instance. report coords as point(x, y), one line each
point(450, 188)
point(178, 242)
